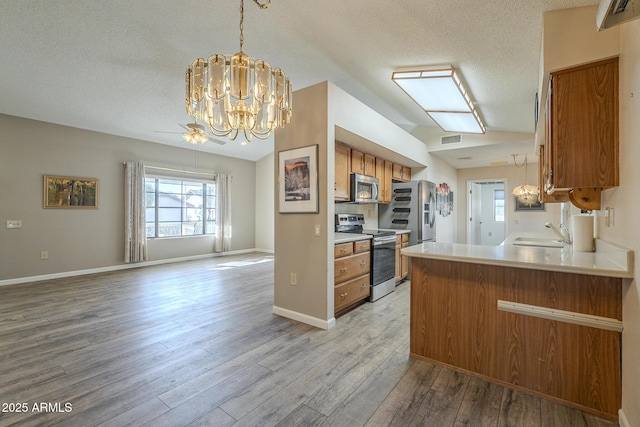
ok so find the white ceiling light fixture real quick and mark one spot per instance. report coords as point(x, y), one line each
point(441, 94)
point(237, 93)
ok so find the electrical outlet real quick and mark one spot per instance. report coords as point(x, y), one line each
point(293, 279)
point(14, 223)
point(44, 255)
point(317, 230)
point(612, 217)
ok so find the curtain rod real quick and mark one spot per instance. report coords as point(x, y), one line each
point(175, 170)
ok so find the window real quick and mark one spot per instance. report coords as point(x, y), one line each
point(179, 208)
point(498, 205)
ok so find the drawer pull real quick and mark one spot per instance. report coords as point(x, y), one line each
point(363, 263)
point(343, 296)
point(343, 269)
point(343, 250)
point(363, 286)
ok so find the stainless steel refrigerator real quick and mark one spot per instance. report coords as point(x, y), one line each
point(412, 207)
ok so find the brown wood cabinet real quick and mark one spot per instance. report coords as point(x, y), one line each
point(352, 274)
point(349, 160)
point(398, 275)
point(363, 163)
point(455, 321)
point(557, 196)
point(401, 173)
point(404, 260)
point(581, 132)
point(383, 173)
point(341, 172)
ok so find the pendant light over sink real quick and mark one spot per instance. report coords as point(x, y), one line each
point(526, 193)
point(237, 93)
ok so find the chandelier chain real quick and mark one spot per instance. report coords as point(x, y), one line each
point(241, 24)
point(260, 5)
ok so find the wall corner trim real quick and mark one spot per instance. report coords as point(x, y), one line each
point(304, 318)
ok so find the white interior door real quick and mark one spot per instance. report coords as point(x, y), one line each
point(474, 213)
point(483, 226)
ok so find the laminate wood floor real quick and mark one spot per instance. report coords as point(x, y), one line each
point(196, 344)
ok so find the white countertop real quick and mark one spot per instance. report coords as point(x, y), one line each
point(609, 260)
point(349, 237)
point(395, 230)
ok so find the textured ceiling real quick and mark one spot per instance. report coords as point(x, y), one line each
point(117, 66)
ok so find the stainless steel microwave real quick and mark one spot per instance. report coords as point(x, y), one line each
point(364, 188)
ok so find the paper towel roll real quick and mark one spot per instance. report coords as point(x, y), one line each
point(582, 233)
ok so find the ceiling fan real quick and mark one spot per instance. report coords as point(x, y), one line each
point(195, 134)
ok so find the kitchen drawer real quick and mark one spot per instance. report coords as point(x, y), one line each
point(351, 291)
point(352, 266)
point(342, 250)
point(361, 246)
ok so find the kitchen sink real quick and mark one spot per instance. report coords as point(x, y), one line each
point(538, 241)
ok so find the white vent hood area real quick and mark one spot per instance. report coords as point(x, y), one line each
point(614, 12)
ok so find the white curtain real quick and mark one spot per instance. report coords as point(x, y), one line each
point(135, 237)
point(223, 213)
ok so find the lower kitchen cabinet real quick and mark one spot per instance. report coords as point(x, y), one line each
point(402, 261)
point(352, 274)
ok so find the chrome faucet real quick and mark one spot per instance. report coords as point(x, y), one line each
point(562, 232)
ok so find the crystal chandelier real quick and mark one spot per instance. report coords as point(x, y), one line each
point(526, 193)
point(237, 93)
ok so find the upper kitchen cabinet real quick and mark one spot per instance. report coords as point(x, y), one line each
point(363, 163)
point(557, 196)
point(341, 172)
point(384, 170)
point(401, 173)
point(581, 132)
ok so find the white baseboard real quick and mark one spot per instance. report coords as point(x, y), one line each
point(63, 274)
point(622, 419)
point(304, 318)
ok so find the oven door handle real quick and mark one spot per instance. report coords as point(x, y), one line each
point(383, 240)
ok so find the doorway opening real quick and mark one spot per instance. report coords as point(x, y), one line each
point(486, 212)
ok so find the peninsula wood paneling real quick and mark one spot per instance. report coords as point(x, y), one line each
point(455, 321)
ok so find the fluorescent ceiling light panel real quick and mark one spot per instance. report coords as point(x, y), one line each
point(457, 122)
point(439, 90)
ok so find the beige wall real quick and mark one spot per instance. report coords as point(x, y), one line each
point(265, 203)
point(297, 250)
point(93, 239)
point(626, 230)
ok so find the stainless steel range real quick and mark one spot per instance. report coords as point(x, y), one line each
point(383, 253)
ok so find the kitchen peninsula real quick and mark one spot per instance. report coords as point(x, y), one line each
point(542, 320)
